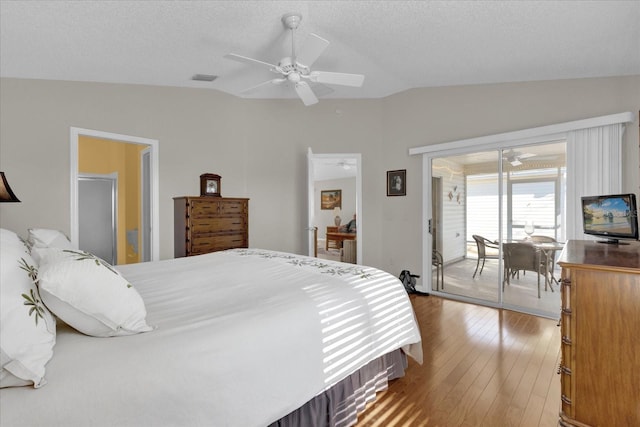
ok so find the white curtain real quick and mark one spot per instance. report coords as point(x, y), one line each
point(594, 167)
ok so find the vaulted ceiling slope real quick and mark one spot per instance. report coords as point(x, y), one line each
point(397, 45)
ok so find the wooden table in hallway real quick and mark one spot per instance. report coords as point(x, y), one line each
point(339, 238)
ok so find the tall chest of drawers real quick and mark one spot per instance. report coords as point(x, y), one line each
point(600, 321)
point(209, 224)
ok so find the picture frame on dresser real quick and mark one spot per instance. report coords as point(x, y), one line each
point(210, 185)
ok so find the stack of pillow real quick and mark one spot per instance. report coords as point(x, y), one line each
point(46, 275)
point(28, 330)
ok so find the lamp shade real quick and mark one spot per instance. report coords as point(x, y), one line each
point(6, 194)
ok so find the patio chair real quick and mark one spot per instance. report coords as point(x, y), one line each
point(436, 261)
point(483, 244)
point(521, 256)
point(548, 254)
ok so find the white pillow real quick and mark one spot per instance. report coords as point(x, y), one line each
point(89, 295)
point(27, 328)
point(11, 238)
point(48, 238)
point(40, 238)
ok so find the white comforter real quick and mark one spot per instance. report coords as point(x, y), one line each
point(242, 338)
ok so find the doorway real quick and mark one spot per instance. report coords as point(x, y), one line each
point(327, 172)
point(147, 212)
point(483, 199)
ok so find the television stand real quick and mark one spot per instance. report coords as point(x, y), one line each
point(600, 296)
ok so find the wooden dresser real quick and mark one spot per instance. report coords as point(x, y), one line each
point(600, 320)
point(209, 224)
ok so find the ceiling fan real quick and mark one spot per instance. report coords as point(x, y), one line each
point(516, 158)
point(296, 69)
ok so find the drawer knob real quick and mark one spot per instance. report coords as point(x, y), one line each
point(566, 340)
point(566, 400)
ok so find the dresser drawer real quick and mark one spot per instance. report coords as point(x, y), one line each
point(232, 207)
point(217, 225)
point(205, 244)
point(208, 208)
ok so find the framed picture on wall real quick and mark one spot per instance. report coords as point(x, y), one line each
point(210, 184)
point(397, 183)
point(330, 199)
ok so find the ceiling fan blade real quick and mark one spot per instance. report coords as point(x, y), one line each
point(261, 85)
point(526, 155)
point(311, 49)
point(247, 60)
point(342, 79)
point(321, 90)
point(306, 94)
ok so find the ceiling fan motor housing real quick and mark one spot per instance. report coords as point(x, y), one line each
point(291, 20)
point(288, 67)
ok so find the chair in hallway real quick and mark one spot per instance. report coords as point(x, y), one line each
point(483, 244)
point(521, 256)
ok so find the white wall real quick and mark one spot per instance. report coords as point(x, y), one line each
point(453, 221)
point(259, 147)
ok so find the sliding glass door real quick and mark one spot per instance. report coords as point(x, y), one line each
point(482, 200)
point(533, 213)
point(467, 208)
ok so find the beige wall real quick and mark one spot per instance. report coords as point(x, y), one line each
point(259, 147)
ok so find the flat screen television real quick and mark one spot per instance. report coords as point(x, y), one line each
point(613, 216)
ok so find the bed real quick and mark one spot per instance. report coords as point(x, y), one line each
point(244, 337)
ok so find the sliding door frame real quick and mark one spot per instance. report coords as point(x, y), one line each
point(532, 136)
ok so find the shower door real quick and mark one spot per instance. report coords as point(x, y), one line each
point(97, 213)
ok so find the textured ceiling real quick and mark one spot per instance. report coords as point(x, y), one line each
point(397, 45)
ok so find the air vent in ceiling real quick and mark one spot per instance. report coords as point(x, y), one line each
point(204, 77)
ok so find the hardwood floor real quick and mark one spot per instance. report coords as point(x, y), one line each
point(482, 367)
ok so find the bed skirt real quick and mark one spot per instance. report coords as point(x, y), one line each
point(340, 405)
